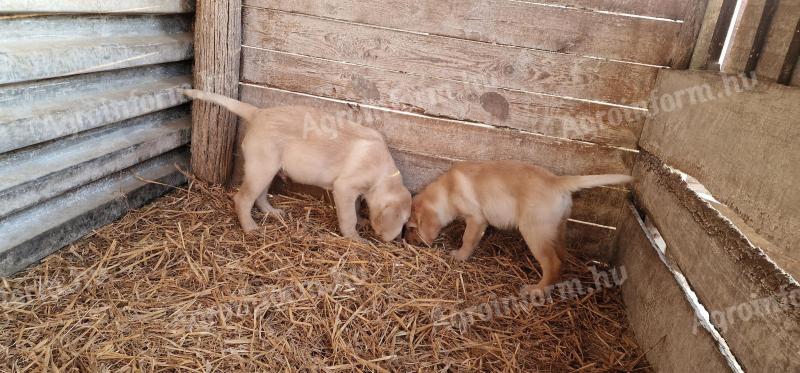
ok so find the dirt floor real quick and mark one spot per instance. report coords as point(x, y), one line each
point(176, 285)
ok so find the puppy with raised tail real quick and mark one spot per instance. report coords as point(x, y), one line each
point(317, 148)
point(506, 195)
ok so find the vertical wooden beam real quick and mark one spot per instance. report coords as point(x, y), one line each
point(218, 45)
point(685, 43)
point(796, 75)
point(782, 44)
point(749, 33)
point(712, 34)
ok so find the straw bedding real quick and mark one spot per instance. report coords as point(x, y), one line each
point(177, 286)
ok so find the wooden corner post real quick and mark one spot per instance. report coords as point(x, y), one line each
point(218, 46)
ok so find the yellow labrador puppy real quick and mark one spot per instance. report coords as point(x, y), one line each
point(317, 148)
point(506, 195)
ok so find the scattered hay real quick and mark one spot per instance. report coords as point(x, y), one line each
point(176, 285)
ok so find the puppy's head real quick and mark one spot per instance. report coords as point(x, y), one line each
point(388, 218)
point(423, 226)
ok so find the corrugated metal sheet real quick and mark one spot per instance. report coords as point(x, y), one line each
point(89, 109)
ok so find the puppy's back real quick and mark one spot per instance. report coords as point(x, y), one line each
point(504, 190)
point(311, 126)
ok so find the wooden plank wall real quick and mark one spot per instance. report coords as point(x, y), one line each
point(89, 98)
point(740, 141)
point(657, 292)
point(764, 39)
point(749, 296)
point(736, 242)
point(477, 79)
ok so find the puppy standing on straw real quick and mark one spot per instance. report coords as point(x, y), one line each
point(503, 194)
point(347, 158)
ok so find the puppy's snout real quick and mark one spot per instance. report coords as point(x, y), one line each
point(411, 236)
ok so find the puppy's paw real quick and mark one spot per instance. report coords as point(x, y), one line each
point(276, 212)
point(459, 255)
point(358, 240)
point(269, 210)
point(250, 227)
point(527, 290)
point(532, 290)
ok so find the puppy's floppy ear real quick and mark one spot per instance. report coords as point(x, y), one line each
point(429, 226)
point(414, 218)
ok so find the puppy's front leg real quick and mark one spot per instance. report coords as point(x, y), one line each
point(345, 199)
point(472, 235)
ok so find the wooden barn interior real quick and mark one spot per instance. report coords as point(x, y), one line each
point(698, 100)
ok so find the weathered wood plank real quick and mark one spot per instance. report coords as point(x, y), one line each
point(796, 75)
point(458, 140)
point(661, 315)
point(651, 8)
point(53, 58)
point(565, 30)
point(543, 114)
point(591, 240)
point(731, 277)
point(782, 43)
point(36, 27)
point(712, 34)
point(30, 235)
point(98, 6)
point(741, 145)
point(596, 205)
point(687, 38)
point(218, 35)
point(38, 173)
point(749, 31)
point(31, 114)
point(455, 59)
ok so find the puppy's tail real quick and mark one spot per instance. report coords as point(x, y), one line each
point(244, 110)
point(575, 183)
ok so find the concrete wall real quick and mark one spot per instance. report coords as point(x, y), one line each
point(89, 109)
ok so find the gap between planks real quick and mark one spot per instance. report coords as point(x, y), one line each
point(462, 122)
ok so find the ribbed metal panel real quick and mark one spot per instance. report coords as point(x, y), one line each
point(89, 107)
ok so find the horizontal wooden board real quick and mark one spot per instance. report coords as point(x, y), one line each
point(596, 205)
point(779, 55)
point(98, 6)
point(547, 115)
point(662, 318)
point(447, 58)
point(460, 140)
point(673, 9)
point(38, 173)
point(29, 236)
point(591, 240)
point(557, 29)
point(741, 146)
point(725, 270)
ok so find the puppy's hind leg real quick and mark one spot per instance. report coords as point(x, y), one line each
point(561, 243)
point(258, 174)
point(543, 242)
point(263, 204)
